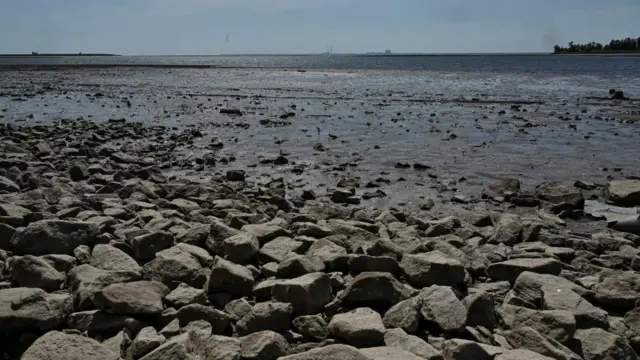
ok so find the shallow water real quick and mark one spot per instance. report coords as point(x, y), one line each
point(409, 115)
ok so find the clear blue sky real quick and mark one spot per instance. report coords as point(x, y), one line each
point(307, 26)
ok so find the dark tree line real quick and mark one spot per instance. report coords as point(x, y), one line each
point(624, 45)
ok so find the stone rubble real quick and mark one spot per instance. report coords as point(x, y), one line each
point(110, 250)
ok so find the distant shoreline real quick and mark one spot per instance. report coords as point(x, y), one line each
point(619, 53)
point(53, 55)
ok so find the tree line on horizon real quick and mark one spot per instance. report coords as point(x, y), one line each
point(623, 45)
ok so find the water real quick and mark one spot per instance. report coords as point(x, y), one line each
point(514, 64)
point(383, 110)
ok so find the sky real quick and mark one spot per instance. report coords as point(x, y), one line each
point(181, 27)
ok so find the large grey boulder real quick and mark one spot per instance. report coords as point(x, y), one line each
point(312, 326)
point(29, 309)
point(619, 291)
point(404, 315)
point(307, 294)
point(399, 339)
point(441, 306)
point(384, 353)
point(527, 338)
point(173, 266)
point(35, 272)
point(241, 248)
point(264, 345)
point(227, 277)
point(510, 270)
point(266, 316)
point(56, 345)
point(54, 237)
point(331, 352)
point(133, 298)
point(107, 257)
point(434, 268)
point(85, 281)
point(598, 344)
point(623, 192)
point(361, 327)
point(146, 246)
point(376, 288)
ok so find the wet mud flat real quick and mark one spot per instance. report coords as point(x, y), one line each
point(362, 126)
point(251, 214)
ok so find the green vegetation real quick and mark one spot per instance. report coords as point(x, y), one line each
point(615, 46)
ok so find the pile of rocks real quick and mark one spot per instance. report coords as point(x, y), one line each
point(106, 255)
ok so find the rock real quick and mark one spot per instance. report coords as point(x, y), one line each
point(54, 237)
point(266, 316)
point(170, 350)
point(441, 306)
point(227, 277)
point(184, 206)
point(264, 345)
point(556, 193)
point(107, 257)
point(312, 326)
point(133, 298)
point(146, 341)
point(296, 265)
point(376, 289)
point(236, 175)
point(434, 268)
point(330, 253)
point(623, 192)
point(559, 325)
point(277, 249)
point(510, 270)
point(457, 349)
point(479, 307)
point(35, 272)
point(529, 339)
point(265, 232)
point(55, 345)
point(7, 185)
point(174, 266)
point(562, 298)
point(238, 308)
point(384, 353)
point(397, 338)
point(196, 235)
point(99, 322)
point(361, 327)
point(404, 315)
point(184, 295)
point(30, 309)
point(219, 320)
point(619, 291)
point(521, 354)
point(310, 229)
point(221, 348)
point(331, 352)
point(146, 246)
point(597, 344)
point(528, 286)
point(307, 294)
point(85, 281)
point(241, 248)
point(507, 231)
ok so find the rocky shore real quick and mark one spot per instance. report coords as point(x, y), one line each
point(115, 245)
